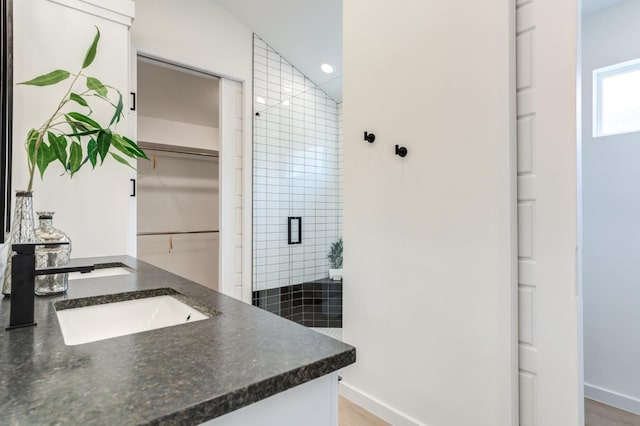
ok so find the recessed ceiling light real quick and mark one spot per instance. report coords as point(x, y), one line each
point(260, 100)
point(287, 89)
point(286, 103)
point(326, 68)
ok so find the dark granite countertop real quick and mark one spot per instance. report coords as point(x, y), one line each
point(184, 374)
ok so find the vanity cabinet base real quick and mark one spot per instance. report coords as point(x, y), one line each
point(314, 403)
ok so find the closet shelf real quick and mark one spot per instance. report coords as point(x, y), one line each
point(212, 231)
point(178, 150)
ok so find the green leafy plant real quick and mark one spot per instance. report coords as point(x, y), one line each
point(75, 138)
point(335, 254)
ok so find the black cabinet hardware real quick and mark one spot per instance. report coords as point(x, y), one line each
point(133, 101)
point(133, 187)
point(369, 137)
point(401, 151)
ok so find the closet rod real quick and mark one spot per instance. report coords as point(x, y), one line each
point(177, 151)
point(142, 234)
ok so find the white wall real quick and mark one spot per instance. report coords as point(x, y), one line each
point(202, 35)
point(198, 33)
point(428, 265)
point(177, 107)
point(611, 182)
point(177, 94)
point(92, 207)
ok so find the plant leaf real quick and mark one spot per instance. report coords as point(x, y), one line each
point(121, 160)
point(76, 116)
point(80, 134)
point(92, 152)
point(44, 158)
point(79, 99)
point(118, 112)
point(128, 147)
point(52, 156)
point(74, 128)
point(91, 53)
point(32, 138)
point(117, 143)
point(58, 147)
point(95, 84)
point(104, 142)
point(134, 146)
point(75, 157)
point(104, 98)
point(48, 79)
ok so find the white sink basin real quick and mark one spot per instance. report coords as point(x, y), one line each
point(99, 322)
point(101, 272)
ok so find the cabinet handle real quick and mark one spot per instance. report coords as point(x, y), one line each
point(133, 187)
point(133, 101)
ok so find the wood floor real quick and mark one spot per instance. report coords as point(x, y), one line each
point(351, 414)
point(597, 414)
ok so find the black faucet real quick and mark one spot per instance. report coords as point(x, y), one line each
point(23, 276)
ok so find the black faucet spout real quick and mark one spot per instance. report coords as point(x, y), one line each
point(23, 275)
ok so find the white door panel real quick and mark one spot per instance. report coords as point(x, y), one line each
point(546, 120)
point(231, 188)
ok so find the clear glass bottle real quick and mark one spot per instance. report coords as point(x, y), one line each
point(22, 231)
point(49, 257)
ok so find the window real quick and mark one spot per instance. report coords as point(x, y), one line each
point(616, 99)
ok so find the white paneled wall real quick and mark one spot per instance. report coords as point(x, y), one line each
point(297, 172)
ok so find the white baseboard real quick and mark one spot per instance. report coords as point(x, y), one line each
point(376, 407)
point(613, 398)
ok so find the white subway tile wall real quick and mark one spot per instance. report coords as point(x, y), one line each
point(297, 171)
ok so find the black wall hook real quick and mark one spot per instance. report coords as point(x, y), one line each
point(401, 151)
point(369, 137)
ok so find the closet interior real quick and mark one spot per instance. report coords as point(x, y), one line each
point(178, 190)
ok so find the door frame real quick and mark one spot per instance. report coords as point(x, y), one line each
point(226, 257)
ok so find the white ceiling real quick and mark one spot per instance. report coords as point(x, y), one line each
point(591, 6)
point(307, 33)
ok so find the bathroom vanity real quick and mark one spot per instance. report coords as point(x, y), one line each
point(239, 365)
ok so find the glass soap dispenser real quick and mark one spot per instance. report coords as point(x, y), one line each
point(50, 257)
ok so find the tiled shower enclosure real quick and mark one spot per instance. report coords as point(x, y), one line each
point(297, 173)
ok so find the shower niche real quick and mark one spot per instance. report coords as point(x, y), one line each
point(297, 192)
